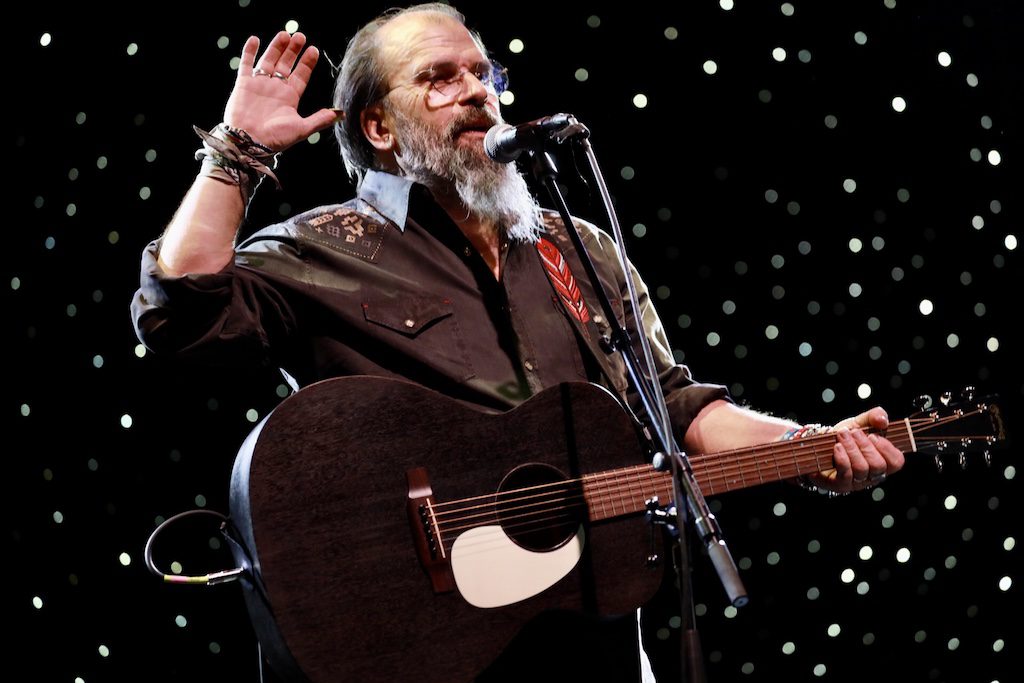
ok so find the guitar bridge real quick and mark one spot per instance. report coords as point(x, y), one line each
point(426, 532)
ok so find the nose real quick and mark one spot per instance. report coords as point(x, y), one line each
point(473, 89)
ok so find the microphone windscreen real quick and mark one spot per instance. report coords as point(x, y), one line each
point(493, 146)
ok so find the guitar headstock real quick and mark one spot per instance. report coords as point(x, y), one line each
point(958, 427)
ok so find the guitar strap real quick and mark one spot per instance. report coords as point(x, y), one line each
point(559, 258)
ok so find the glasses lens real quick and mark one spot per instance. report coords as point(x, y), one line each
point(499, 78)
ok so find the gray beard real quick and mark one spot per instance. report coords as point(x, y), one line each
point(491, 192)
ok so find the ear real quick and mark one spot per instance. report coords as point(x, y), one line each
point(376, 128)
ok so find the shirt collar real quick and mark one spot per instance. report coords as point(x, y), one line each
point(388, 194)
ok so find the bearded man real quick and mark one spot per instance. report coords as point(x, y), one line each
point(432, 274)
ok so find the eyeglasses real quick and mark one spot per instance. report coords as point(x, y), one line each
point(447, 84)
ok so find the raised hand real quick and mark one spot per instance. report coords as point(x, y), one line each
point(265, 99)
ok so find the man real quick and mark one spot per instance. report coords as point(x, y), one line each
point(432, 273)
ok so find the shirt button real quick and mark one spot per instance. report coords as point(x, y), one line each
point(528, 365)
point(410, 323)
point(466, 252)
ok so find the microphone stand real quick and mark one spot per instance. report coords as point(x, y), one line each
point(689, 503)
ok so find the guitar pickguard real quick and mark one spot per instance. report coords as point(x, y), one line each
point(491, 570)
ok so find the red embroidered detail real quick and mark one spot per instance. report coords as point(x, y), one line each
point(562, 279)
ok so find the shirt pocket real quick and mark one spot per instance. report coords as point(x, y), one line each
point(421, 327)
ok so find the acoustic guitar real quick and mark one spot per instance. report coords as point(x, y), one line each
point(384, 525)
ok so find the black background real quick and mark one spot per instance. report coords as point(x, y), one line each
point(84, 487)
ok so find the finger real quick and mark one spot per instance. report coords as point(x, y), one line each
point(286, 61)
point(876, 464)
point(268, 61)
point(893, 456)
point(248, 59)
point(321, 119)
point(858, 464)
point(841, 460)
point(304, 69)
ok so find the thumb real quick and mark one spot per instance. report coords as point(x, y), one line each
point(324, 118)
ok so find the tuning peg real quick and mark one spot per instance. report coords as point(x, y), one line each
point(946, 397)
point(963, 460)
point(923, 402)
point(938, 462)
point(968, 393)
point(987, 455)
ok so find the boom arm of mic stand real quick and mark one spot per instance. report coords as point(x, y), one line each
point(686, 487)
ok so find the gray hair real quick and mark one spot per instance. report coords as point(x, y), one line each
point(362, 81)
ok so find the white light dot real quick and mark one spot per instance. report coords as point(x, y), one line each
point(805, 349)
point(713, 339)
point(779, 54)
point(725, 4)
point(945, 59)
point(223, 42)
point(145, 193)
point(45, 39)
point(903, 555)
point(950, 502)
point(103, 650)
point(850, 185)
point(710, 68)
point(820, 670)
point(860, 38)
point(972, 80)
point(831, 121)
point(779, 509)
point(952, 340)
point(126, 421)
point(926, 307)
point(314, 138)
point(730, 612)
point(181, 621)
point(133, 49)
point(1005, 583)
point(847, 576)
point(788, 648)
point(865, 553)
point(640, 100)
point(855, 290)
point(834, 630)
point(864, 390)
point(994, 157)
point(1010, 242)
point(251, 415)
point(998, 645)
point(507, 97)
point(953, 644)
point(992, 344)
point(1009, 543)
point(291, 26)
point(863, 587)
point(37, 602)
point(772, 332)
point(1010, 472)
point(140, 351)
point(582, 74)
point(828, 396)
point(978, 222)
point(234, 62)
point(671, 32)
point(58, 517)
point(888, 521)
point(125, 559)
point(899, 104)
point(516, 46)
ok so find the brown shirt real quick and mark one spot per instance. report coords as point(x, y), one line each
point(387, 285)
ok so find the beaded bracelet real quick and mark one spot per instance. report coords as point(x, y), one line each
point(230, 155)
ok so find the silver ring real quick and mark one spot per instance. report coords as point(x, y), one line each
point(877, 477)
point(260, 72)
point(283, 77)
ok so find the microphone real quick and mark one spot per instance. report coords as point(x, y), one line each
point(504, 143)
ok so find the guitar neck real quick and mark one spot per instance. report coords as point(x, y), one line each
point(625, 491)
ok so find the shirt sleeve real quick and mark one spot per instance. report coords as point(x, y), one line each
point(236, 316)
point(684, 396)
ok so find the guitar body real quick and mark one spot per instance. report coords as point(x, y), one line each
point(320, 496)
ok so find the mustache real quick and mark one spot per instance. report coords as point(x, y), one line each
point(481, 118)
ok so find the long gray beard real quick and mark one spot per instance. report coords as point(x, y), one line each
point(492, 192)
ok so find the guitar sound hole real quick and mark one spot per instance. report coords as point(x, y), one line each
point(538, 508)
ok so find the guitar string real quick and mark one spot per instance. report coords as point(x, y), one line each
point(734, 464)
point(612, 490)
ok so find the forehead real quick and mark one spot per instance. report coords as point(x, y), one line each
point(415, 41)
